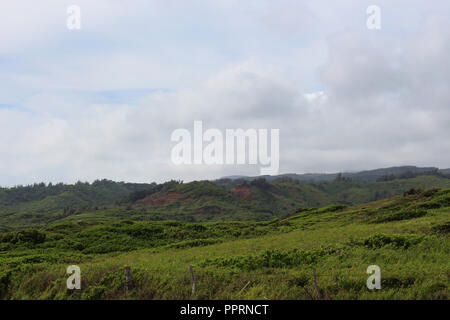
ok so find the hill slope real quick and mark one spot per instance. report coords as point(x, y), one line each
point(40, 204)
point(366, 175)
point(199, 201)
point(406, 236)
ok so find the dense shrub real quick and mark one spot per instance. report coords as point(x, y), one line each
point(94, 293)
point(4, 282)
point(270, 259)
point(440, 201)
point(333, 208)
point(399, 215)
point(193, 243)
point(443, 229)
point(23, 237)
point(397, 241)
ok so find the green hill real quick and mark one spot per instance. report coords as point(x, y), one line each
point(46, 198)
point(40, 204)
point(198, 201)
point(317, 253)
point(366, 175)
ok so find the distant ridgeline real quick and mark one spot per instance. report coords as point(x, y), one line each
point(383, 174)
point(234, 198)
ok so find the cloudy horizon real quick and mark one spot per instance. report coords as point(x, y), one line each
point(102, 101)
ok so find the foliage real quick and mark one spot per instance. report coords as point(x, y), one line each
point(270, 259)
point(322, 250)
point(397, 241)
point(199, 201)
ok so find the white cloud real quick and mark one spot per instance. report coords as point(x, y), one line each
point(378, 99)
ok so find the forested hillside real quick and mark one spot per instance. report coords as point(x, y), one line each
point(198, 201)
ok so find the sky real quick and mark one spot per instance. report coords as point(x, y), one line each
point(103, 101)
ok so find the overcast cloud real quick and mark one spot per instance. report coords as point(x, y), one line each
point(102, 102)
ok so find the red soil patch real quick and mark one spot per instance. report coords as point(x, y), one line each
point(242, 192)
point(161, 199)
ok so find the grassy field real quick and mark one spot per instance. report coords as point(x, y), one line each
point(406, 236)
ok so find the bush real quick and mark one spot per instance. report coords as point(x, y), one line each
point(270, 259)
point(193, 243)
point(23, 237)
point(397, 241)
point(333, 208)
point(94, 293)
point(399, 215)
point(436, 202)
point(299, 281)
point(442, 229)
point(4, 283)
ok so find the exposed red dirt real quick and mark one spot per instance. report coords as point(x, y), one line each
point(242, 192)
point(158, 199)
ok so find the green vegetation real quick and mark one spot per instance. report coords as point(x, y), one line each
point(407, 236)
point(39, 206)
point(381, 174)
